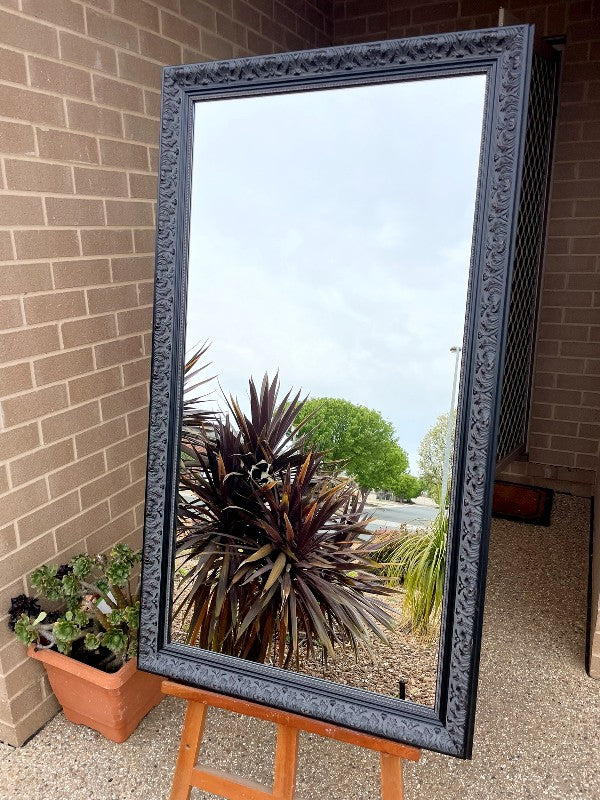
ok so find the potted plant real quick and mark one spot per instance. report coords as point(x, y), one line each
point(87, 640)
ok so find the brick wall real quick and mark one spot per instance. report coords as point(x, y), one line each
point(565, 414)
point(79, 108)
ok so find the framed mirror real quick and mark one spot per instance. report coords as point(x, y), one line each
point(334, 245)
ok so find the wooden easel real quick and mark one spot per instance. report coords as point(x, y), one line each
point(235, 787)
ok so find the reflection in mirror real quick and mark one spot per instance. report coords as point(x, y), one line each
point(330, 240)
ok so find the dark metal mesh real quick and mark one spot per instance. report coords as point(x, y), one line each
point(527, 263)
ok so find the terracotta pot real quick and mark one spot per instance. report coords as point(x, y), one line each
point(111, 703)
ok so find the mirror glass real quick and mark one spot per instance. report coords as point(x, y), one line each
point(329, 249)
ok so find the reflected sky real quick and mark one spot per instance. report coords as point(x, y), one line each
point(330, 239)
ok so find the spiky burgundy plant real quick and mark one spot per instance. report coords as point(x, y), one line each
point(270, 545)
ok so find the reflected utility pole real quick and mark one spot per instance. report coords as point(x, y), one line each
point(446, 468)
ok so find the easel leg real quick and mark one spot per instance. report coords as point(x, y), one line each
point(286, 761)
point(392, 782)
point(191, 739)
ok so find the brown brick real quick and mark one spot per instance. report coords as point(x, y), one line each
point(112, 298)
point(562, 332)
point(133, 268)
point(123, 155)
point(153, 155)
point(215, 47)
point(106, 537)
point(18, 440)
point(234, 32)
point(152, 103)
point(59, 426)
point(19, 210)
point(106, 242)
point(4, 486)
point(12, 66)
point(88, 331)
point(578, 413)
point(143, 185)
point(159, 48)
point(140, 128)
point(82, 525)
point(63, 13)
point(581, 349)
point(136, 371)
point(138, 12)
point(60, 78)
point(93, 118)
point(28, 342)
point(104, 486)
point(18, 503)
point(15, 378)
point(137, 467)
point(47, 459)
point(48, 307)
point(98, 438)
point(69, 274)
point(242, 12)
point(203, 14)
point(17, 138)
point(572, 444)
point(47, 517)
point(94, 385)
point(124, 451)
point(6, 248)
point(565, 299)
point(10, 313)
point(137, 421)
point(37, 176)
point(63, 365)
point(100, 182)
point(118, 94)
point(127, 499)
point(33, 405)
point(75, 475)
point(179, 29)
point(144, 240)
point(46, 243)
point(108, 29)
point(123, 402)
point(80, 50)
point(581, 315)
point(135, 320)
point(146, 293)
point(65, 146)
point(28, 35)
point(586, 245)
point(22, 104)
point(119, 351)
point(128, 212)
point(140, 70)
point(74, 211)
point(8, 543)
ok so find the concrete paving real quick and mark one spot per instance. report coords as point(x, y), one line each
point(538, 721)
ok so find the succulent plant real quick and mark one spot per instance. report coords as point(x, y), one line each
point(98, 610)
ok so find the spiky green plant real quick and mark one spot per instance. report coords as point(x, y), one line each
point(416, 560)
point(97, 609)
point(271, 546)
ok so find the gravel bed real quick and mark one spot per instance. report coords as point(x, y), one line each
point(407, 656)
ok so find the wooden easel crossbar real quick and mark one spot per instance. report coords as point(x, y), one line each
point(235, 787)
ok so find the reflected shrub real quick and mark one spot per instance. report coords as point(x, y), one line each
point(271, 555)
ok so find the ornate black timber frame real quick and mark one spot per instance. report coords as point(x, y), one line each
point(503, 55)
